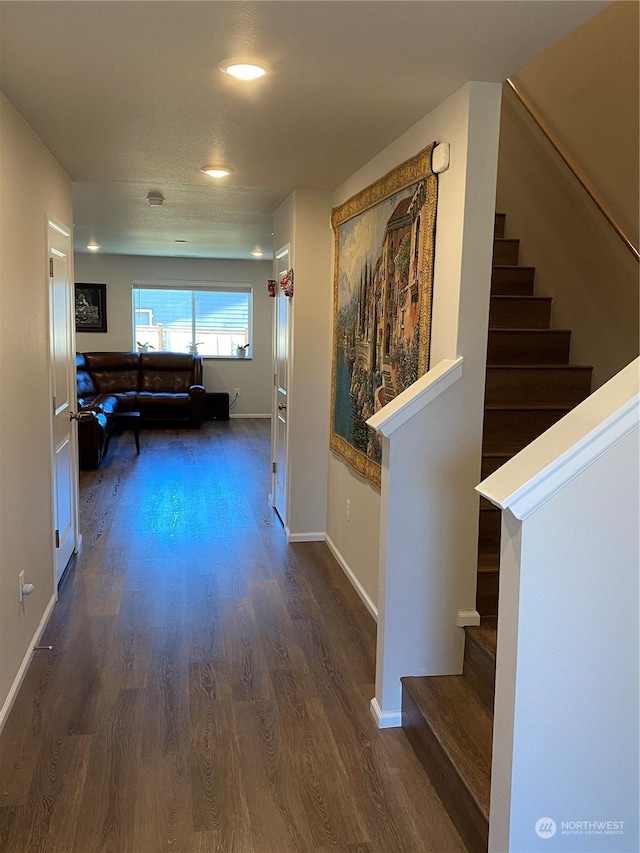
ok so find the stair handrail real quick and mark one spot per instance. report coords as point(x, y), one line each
point(577, 172)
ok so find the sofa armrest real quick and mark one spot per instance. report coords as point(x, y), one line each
point(196, 392)
point(92, 430)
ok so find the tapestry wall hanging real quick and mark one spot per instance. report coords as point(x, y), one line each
point(383, 281)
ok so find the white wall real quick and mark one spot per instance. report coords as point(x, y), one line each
point(463, 241)
point(31, 186)
point(579, 259)
point(594, 113)
point(252, 375)
point(310, 381)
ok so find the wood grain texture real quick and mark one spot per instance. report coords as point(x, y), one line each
point(511, 280)
point(480, 660)
point(528, 346)
point(451, 730)
point(519, 312)
point(209, 685)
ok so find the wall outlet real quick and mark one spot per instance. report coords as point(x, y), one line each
point(348, 510)
point(21, 579)
point(237, 392)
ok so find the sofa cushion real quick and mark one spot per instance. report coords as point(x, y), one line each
point(166, 361)
point(113, 371)
point(128, 401)
point(104, 403)
point(86, 387)
point(165, 381)
point(166, 372)
point(148, 400)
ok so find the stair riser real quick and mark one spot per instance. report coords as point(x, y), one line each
point(487, 593)
point(512, 281)
point(492, 463)
point(533, 385)
point(487, 605)
point(480, 670)
point(505, 252)
point(489, 528)
point(519, 312)
point(514, 429)
point(498, 230)
point(528, 347)
point(463, 811)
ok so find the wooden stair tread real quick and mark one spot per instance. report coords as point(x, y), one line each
point(462, 726)
point(524, 298)
point(512, 266)
point(480, 659)
point(518, 331)
point(488, 561)
point(528, 407)
point(485, 635)
point(542, 366)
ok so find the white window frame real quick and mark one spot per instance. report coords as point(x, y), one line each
point(192, 287)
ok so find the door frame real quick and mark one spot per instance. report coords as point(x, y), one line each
point(65, 232)
point(279, 254)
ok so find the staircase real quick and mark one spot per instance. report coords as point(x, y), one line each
point(529, 386)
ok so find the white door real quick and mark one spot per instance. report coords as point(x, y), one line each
point(63, 395)
point(281, 381)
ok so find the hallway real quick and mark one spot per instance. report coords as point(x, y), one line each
point(209, 685)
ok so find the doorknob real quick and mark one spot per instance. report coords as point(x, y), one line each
point(281, 406)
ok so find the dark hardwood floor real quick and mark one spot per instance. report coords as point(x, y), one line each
point(209, 685)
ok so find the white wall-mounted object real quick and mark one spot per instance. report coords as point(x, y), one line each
point(440, 157)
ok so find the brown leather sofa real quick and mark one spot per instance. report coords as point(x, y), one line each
point(165, 387)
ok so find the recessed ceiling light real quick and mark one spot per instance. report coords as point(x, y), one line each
point(93, 247)
point(216, 171)
point(244, 69)
point(257, 253)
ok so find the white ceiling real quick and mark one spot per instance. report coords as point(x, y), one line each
point(127, 97)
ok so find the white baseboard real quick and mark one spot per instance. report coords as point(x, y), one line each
point(346, 568)
point(386, 720)
point(13, 692)
point(305, 537)
point(239, 415)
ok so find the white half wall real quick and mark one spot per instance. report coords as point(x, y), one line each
point(32, 186)
point(567, 698)
point(252, 375)
point(575, 734)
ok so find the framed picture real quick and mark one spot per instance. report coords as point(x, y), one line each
point(91, 307)
point(383, 280)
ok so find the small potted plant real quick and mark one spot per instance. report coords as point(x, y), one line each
point(143, 347)
point(241, 351)
point(193, 347)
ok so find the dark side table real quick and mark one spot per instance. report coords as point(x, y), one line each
point(124, 421)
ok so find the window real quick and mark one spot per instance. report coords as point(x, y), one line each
point(177, 316)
